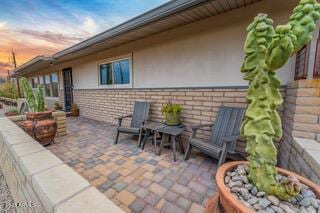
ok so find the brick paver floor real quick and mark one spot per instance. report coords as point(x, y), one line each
point(135, 180)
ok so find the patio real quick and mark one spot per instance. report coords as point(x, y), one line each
point(135, 180)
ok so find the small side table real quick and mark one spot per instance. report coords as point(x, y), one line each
point(148, 128)
point(173, 132)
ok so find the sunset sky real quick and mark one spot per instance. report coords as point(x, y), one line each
point(43, 27)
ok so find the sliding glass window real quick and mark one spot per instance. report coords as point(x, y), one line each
point(49, 82)
point(115, 72)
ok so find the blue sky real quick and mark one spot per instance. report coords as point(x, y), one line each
point(33, 27)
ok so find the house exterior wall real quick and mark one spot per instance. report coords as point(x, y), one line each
point(206, 53)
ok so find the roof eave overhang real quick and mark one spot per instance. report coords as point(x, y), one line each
point(139, 21)
point(39, 61)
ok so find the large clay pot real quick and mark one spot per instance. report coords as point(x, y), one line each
point(41, 126)
point(229, 204)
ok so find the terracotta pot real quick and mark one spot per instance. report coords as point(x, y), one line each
point(75, 113)
point(41, 126)
point(172, 119)
point(229, 204)
point(8, 114)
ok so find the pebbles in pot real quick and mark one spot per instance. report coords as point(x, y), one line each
point(251, 197)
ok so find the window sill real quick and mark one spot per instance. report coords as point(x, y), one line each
point(116, 86)
point(52, 98)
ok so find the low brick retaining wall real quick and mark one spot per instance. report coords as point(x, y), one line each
point(59, 116)
point(40, 182)
point(8, 101)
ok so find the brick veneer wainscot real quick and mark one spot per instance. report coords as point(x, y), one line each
point(200, 105)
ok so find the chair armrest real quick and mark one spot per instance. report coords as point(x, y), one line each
point(124, 116)
point(199, 126)
point(194, 128)
point(143, 121)
point(231, 138)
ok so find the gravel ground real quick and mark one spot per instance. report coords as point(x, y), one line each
point(6, 201)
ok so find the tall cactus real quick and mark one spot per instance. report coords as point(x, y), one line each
point(39, 98)
point(267, 50)
point(35, 101)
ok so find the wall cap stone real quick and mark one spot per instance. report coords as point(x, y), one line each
point(57, 185)
point(89, 200)
point(309, 83)
point(309, 149)
point(19, 150)
point(37, 162)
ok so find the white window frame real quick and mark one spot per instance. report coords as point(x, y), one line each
point(112, 60)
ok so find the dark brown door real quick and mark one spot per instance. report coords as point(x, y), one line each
point(68, 88)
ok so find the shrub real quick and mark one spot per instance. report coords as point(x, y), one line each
point(171, 108)
point(8, 90)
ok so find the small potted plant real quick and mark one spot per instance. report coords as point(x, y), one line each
point(75, 110)
point(39, 123)
point(171, 113)
point(12, 112)
point(57, 106)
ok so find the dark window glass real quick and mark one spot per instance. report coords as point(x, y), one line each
point(316, 70)
point(54, 84)
point(121, 72)
point(106, 74)
point(32, 83)
point(47, 85)
point(302, 59)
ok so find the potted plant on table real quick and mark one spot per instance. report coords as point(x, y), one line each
point(75, 110)
point(257, 185)
point(39, 123)
point(57, 106)
point(171, 113)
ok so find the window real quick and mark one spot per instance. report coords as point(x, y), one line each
point(34, 82)
point(47, 85)
point(54, 84)
point(41, 82)
point(49, 82)
point(302, 60)
point(115, 72)
point(106, 74)
point(316, 69)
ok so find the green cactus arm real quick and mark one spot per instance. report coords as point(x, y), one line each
point(28, 94)
point(40, 99)
point(266, 51)
point(303, 22)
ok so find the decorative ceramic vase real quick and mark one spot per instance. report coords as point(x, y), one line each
point(41, 126)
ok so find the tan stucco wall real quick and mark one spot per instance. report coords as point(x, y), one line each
point(204, 53)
